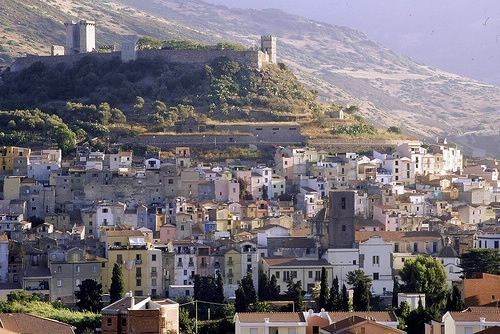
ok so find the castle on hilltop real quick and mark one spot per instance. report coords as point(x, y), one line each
point(81, 42)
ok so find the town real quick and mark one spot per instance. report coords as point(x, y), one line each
point(331, 238)
point(181, 221)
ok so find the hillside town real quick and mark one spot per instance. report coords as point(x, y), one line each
point(169, 220)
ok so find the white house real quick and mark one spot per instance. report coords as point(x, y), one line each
point(472, 320)
point(375, 261)
point(487, 240)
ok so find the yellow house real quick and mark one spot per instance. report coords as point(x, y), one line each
point(232, 269)
point(141, 263)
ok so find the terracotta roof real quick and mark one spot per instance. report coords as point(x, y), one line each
point(294, 262)
point(32, 324)
point(343, 324)
point(121, 305)
point(381, 316)
point(476, 313)
point(398, 235)
point(259, 317)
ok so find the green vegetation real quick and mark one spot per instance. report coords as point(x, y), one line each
point(116, 289)
point(245, 294)
point(232, 152)
point(425, 274)
point(361, 284)
point(480, 261)
point(22, 302)
point(89, 296)
point(150, 43)
point(33, 127)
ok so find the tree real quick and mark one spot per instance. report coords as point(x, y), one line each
point(117, 116)
point(416, 320)
point(245, 294)
point(263, 287)
point(345, 299)
point(219, 289)
point(402, 313)
point(295, 294)
point(455, 301)
point(395, 291)
point(89, 296)
point(394, 129)
point(426, 275)
point(361, 284)
point(334, 297)
point(480, 261)
point(139, 103)
point(116, 288)
point(323, 292)
point(274, 290)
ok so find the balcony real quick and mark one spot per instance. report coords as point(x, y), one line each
point(179, 265)
point(138, 262)
point(230, 262)
point(191, 264)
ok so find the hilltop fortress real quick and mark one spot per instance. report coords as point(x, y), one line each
point(81, 42)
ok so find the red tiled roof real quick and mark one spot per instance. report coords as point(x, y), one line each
point(258, 317)
point(32, 324)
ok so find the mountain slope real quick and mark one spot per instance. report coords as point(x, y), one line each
point(341, 63)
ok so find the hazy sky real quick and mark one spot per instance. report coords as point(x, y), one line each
point(462, 36)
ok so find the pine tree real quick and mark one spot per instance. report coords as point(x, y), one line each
point(395, 291)
point(455, 302)
point(241, 301)
point(334, 297)
point(89, 296)
point(116, 288)
point(249, 289)
point(323, 293)
point(274, 290)
point(219, 289)
point(345, 299)
point(263, 287)
point(295, 294)
point(361, 284)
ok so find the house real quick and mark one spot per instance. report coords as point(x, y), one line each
point(270, 323)
point(355, 324)
point(131, 315)
point(312, 323)
point(22, 323)
point(472, 320)
point(305, 270)
point(141, 262)
point(69, 269)
point(482, 290)
point(375, 261)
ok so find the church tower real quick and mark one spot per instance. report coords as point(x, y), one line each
point(341, 224)
point(268, 45)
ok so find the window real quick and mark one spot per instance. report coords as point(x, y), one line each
point(343, 203)
point(138, 282)
point(415, 247)
point(59, 283)
point(153, 281)
point(375, 276)
point(119, 259)
point(343, 228)
point(315, 330)
point(109, 321)
point(495, 244)
point(77, 269)
point(376, 259)
point(153, 257)
point(396, 248)
point(310, 274)
point(277, 274)
point(124, 322)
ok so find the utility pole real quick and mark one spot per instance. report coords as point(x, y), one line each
point(196, 315)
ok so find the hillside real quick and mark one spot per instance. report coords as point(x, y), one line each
point(343, 65)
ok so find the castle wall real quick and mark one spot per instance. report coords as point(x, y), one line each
point(253, 59)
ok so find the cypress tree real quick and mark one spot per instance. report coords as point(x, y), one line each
point(116, 288)
point(323, 293)
point(345, 299)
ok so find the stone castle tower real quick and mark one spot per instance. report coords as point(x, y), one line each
point(268, 46)
point(341, 225)
point(80, 37)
